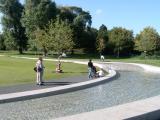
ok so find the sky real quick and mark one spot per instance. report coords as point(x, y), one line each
point(130, 14)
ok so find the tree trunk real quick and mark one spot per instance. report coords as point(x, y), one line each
point(20, 51)
point(118, 53)
point(44, 52)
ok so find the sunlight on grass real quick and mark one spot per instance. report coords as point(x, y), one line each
point(19, 71)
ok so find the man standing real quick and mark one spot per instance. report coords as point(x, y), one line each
point(40, 69)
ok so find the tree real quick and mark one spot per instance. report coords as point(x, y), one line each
point(57, 36)
point(102, 38)
point(122, 40)
point(60, 36)
point(37, 14)
point(88, 40)
point(42, 40)
point(75, 15)
point(9, 40)
point(147, 41)
point(12, 13)
point(80, 21)
point(2, 44)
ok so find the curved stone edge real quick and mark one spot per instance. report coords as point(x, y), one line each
point(138, 110)
point(19, 96)
point(147, 68)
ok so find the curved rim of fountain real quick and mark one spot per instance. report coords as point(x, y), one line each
point(148, 108)
point(147, 68)
point(32, 94)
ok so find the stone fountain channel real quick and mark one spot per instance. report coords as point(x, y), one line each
point(132, 83)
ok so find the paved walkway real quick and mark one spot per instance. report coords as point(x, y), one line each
point(47, 84)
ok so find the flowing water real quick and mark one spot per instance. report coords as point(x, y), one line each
point(129, 85)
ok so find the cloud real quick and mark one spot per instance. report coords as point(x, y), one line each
point(98, 11)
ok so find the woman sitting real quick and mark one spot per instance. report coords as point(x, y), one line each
point(100, 73)
point(58, 68)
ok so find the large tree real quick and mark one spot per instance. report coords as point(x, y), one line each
point(60, 35)
point(80, 21)
point(147, 41)
point(12, 13)
point(75, 15)
point(122, 40)
point(37, 14)
point(102, 38)
point(57, 36)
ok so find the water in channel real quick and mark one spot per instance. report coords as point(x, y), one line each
point(128, 86)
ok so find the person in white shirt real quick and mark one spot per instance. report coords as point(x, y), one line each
point(40, 69)
point(100, 73)
point(102, 57)
point(64, 54)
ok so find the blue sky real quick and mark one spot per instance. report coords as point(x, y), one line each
point(130, 14)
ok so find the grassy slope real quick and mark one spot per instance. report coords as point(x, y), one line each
point(18, 71)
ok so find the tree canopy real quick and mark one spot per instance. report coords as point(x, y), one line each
point(11, 21)
point(148, 40)
point(44, 26)
point(57, 36)
point(102, 38)
point(122, 40)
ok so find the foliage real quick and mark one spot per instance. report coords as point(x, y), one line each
point(80, 21)
point(57, 36)
point(12, 12)
point(2, 45)
point(60, 36)
point(88, 40)
point(9, 41)
point(122, 40)
point(75, 15)
point(41, 40)
point(102, 38)
point(36, 21)
point(37, 14)
point(148, 40)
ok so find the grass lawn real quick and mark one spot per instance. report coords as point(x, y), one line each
point(20, 71)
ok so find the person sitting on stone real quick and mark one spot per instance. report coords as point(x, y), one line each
point(100, 73)
point(58, 68)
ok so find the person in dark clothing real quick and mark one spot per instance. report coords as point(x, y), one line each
point(94, 71)
point(90, 65)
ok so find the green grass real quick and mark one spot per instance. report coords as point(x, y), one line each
point(20, 71)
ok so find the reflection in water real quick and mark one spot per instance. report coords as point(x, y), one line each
point(127, 87)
